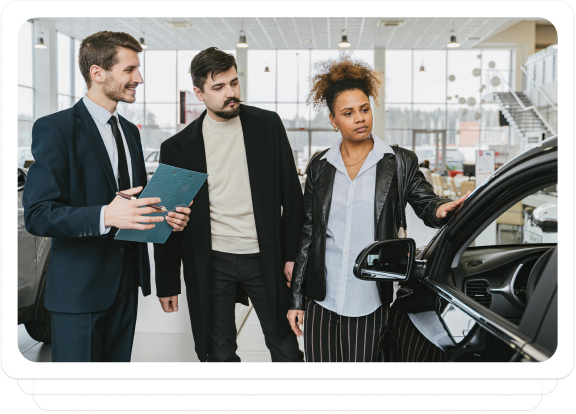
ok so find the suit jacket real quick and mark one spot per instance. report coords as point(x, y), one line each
point(277, 201)
point(66, 187)
point(309, 275)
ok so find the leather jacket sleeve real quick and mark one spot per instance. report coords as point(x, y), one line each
point(304, 242)
point(420, 194)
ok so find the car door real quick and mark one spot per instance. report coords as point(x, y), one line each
point(471, 296)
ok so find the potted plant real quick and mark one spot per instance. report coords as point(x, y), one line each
point(451, 169)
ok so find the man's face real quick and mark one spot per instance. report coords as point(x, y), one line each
point(121, 81)
point(222, 94)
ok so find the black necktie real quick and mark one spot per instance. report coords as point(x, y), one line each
point(123, 176)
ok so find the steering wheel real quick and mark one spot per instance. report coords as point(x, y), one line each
point(536, 273)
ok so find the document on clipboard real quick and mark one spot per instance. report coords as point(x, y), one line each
point(176, 187)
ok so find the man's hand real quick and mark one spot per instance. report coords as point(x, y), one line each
point(179, 221)
point(288, 268)
point(127, 214)
point(296, 319)
point(455, 205)
point(169, 304)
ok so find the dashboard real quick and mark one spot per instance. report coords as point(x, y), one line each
point(496, 276)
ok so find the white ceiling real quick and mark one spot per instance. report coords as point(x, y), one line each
point(294, 33)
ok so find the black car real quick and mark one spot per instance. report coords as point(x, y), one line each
point(461, 301)
point(33, 259)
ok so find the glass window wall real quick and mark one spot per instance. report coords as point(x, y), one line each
point(25, 92)
point(413, 100)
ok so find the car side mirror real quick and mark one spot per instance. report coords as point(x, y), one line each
point(387, 260)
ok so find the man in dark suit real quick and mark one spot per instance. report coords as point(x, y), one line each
point(245, 221)
point(83, 156)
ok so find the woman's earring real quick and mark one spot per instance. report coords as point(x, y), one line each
point(335, 129)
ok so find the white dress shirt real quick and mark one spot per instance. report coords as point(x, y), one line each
point(101, 117)
point(350, 229)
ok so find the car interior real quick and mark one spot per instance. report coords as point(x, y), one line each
point(503, 276)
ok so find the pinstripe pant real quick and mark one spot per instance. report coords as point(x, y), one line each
point(408, 344)
point(329, 337)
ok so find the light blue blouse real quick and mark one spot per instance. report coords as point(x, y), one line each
point(350, 229)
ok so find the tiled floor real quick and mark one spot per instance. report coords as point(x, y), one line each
point(251, 345)
point(167, 337)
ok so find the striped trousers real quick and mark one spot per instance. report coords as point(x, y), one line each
point(408, 344)
point(329, 337)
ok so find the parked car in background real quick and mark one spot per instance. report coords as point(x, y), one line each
point(454, 159)
point(147, 151)
point(24, 156)
point(461, 299)
point(151, 163)
point(33, 259)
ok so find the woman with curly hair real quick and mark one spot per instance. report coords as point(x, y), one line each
point(351, 199)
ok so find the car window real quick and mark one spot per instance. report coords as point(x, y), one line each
point(532, 220)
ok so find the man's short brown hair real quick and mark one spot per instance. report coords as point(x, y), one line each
point(210, 60)
point(101, 49)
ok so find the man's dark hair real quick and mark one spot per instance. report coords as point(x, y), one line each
point(101, 49)
point(210, 60)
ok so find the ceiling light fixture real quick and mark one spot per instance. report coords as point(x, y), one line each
point(242, 40)
point(453, 43)
point(142, 42)
point(40, 44)
point(422, 70)
point(344, 42)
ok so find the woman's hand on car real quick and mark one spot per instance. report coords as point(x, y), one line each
point(296, 319)
point(454, 206)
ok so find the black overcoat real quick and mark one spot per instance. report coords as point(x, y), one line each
point(277, 200)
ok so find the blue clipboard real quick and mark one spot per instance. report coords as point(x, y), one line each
point(176, 187)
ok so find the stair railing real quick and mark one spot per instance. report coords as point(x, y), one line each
point(538, 87)
point(524, 107)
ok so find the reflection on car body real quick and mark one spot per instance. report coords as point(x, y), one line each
point(466, 302)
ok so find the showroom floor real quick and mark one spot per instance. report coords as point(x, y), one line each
point(166, 337)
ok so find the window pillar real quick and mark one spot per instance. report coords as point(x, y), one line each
point(242, 63)
point(380, 111)
point(45, 75)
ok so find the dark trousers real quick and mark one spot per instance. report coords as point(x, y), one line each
point(104, 336)
point(227, 271)
point(329, 337)
point(408, 344)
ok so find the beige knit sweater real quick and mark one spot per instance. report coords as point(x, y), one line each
point(231, 210)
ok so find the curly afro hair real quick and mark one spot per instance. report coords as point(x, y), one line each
point(335, 76)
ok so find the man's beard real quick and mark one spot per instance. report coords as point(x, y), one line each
point(230, 113)
point(112, 93)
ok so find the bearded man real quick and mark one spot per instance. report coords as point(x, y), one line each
point(244, 225)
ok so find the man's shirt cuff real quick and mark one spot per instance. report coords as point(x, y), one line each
point(103, 229)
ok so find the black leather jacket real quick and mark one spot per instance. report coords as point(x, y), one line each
point(309, 275)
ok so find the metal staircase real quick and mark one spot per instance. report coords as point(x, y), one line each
point(521, 113)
